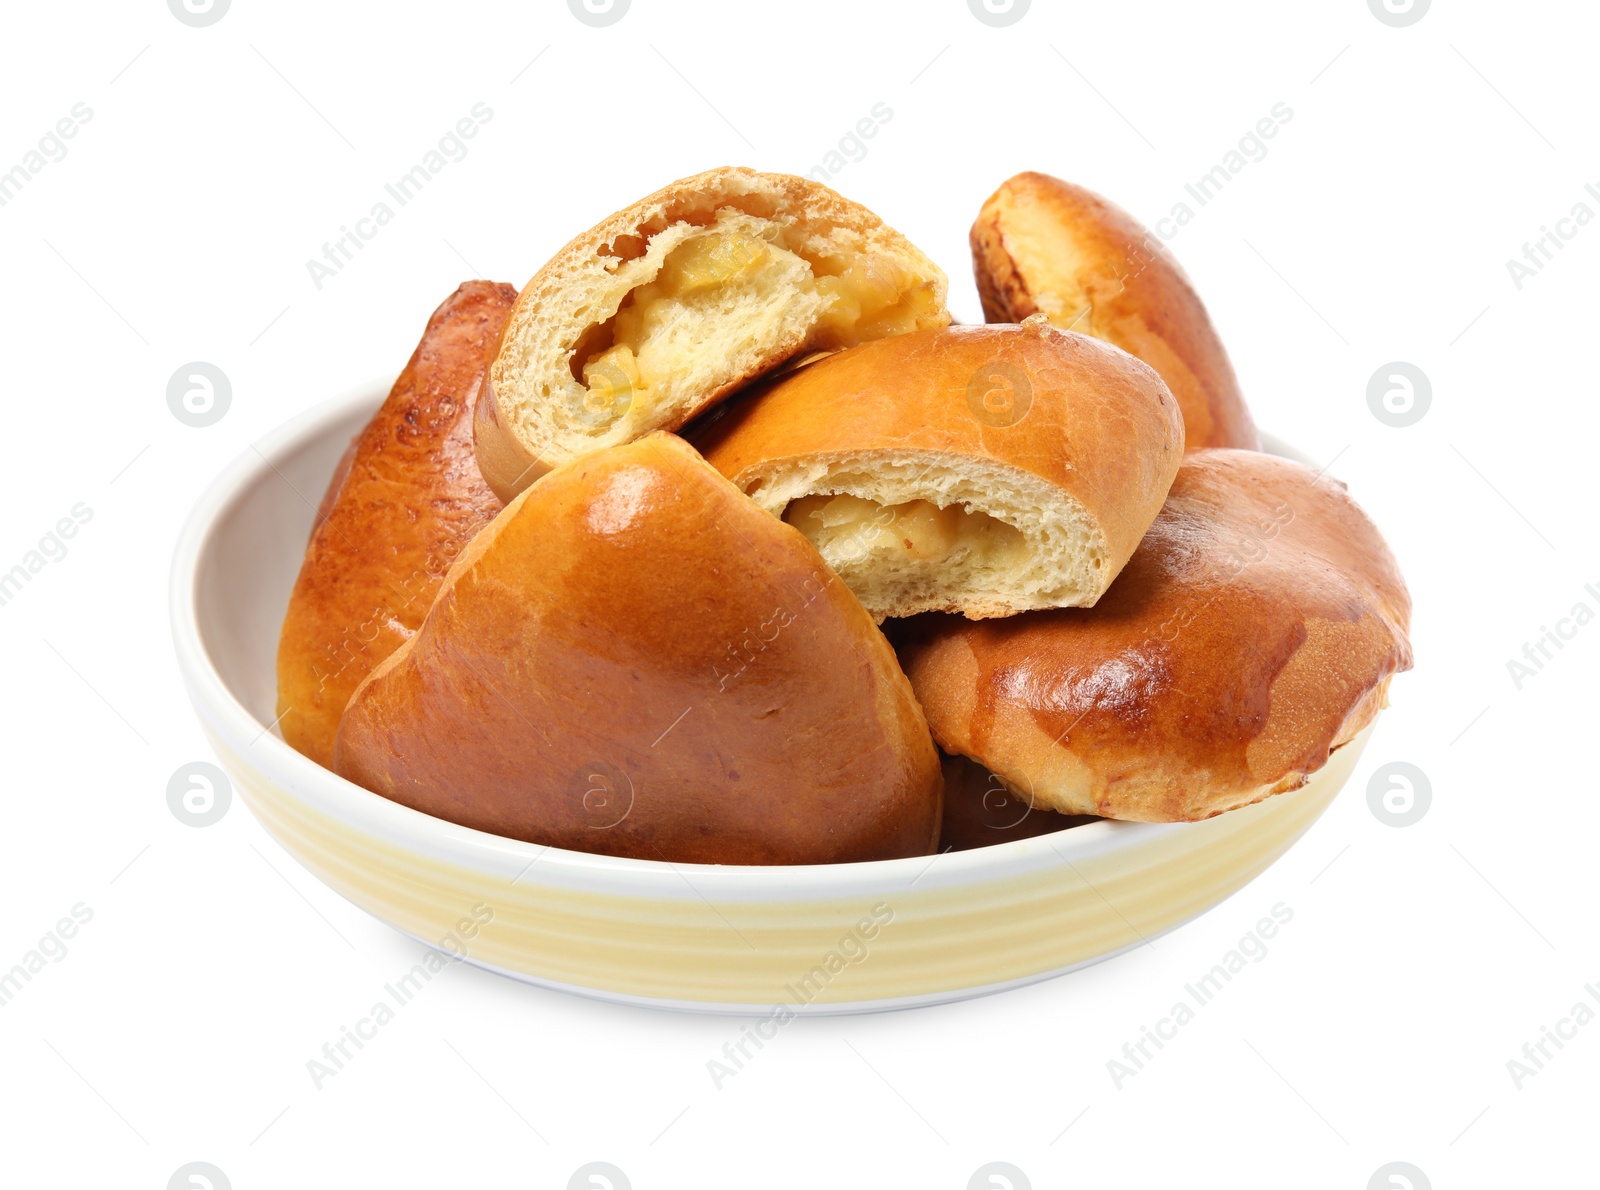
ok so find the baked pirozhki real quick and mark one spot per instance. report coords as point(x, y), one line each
point(1044, 246)
point(403, 502)
point(984, 470)
point(1254, 631)
point(658, 312)
point(634, 659)
point(981, 810)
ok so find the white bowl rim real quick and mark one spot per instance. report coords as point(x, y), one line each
point(478, 850)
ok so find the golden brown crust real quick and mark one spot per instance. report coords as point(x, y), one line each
point(404, 500)
point(634, 659)
point(1041, 245)
point(1254, 630)
point(1091, 421)
point(341, 472)
point(980, 810)
point(697, 198)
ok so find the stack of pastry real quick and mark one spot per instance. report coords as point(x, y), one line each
point(612, 567)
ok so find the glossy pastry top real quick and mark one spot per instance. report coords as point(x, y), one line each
point(634, 659)
point(405, 499)
point(1254, 629)
point(1044, 246)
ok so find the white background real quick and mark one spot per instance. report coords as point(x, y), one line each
point(1377, 228)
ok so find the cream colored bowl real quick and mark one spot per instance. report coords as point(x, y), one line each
point(825, 938)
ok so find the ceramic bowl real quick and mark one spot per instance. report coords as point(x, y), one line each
point(827, 938)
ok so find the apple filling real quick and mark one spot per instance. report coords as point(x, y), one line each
point(732, 291)
point(850, 531)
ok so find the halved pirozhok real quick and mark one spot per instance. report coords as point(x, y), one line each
point(660, 311)
point(986, 470)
